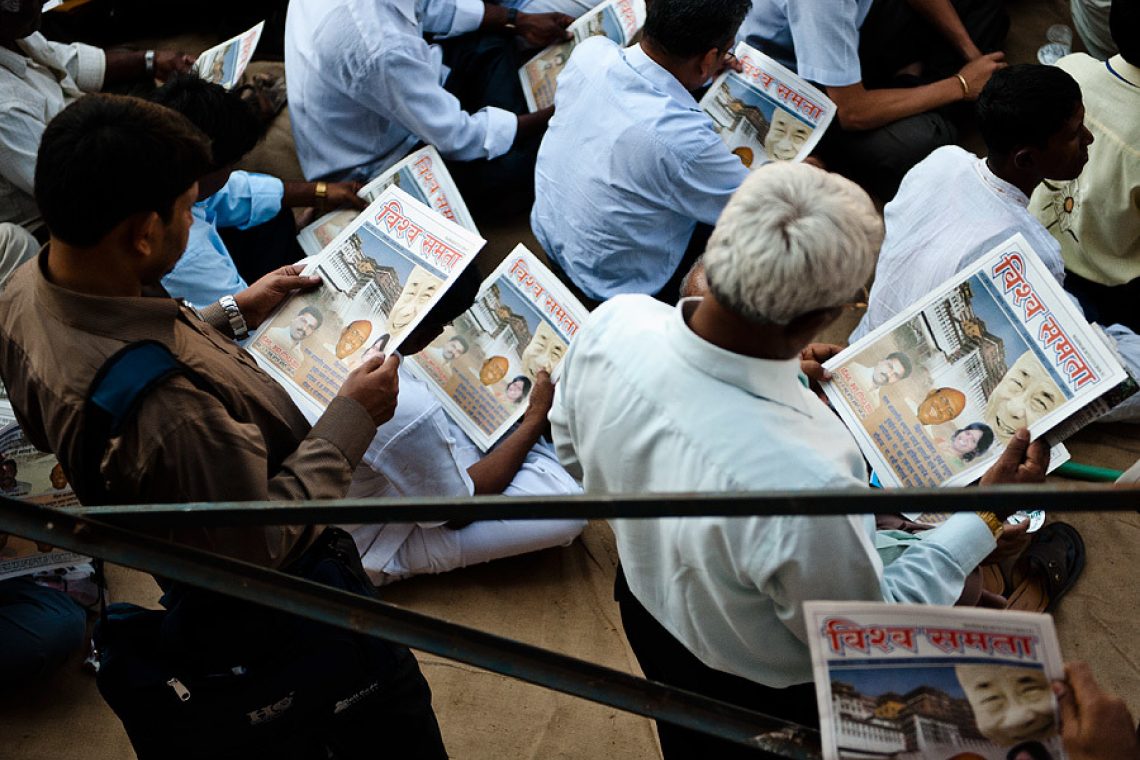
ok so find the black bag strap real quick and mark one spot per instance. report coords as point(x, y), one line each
point(126, 378)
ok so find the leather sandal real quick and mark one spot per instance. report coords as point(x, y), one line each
point(1048, 568)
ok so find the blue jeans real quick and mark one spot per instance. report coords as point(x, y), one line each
point(39, 629)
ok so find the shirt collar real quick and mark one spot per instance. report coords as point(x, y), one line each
point(999, 185)
point(129, 319)
point(640, 62)
point(776, 381)
point(1125, 70)
point(13, 61)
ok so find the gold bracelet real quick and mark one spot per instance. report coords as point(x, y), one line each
point(965, 87)
point(992, 522)
point(322, 193)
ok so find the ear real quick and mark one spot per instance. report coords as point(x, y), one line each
point(144, 234)
point(805, 327)
point(1024, 159)
point(710, 63)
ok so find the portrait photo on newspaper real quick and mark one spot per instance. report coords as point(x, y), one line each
point(935, 394)
point(909, 682)
point(483, 366)
point(380, 276)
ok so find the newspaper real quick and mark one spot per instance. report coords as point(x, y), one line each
point(933, 395)
point(910, 682)
point(225, 63)
point(766, 112)
point(28, 474)
point(620, 20)
point(7, 416)
point(381, 274)
point(483, 366)
point(422, 174)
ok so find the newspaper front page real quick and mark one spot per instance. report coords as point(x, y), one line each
point(380, 275)
point(28, 474)
point(620, 20)
point(766, 112)
point(225, 63)
point(916, 682)
point(484, 365)
point(935, 394)
point(422, 174)
point(7, 416)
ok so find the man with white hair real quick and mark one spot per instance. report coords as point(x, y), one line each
point(709, 396)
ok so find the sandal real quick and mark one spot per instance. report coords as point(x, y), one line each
point(1050, 567)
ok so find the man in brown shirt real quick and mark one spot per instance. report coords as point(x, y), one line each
point(115, 180)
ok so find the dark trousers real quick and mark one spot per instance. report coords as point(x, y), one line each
point(1107, 305)
point(664, 659)
point(259, 250)
point(893, 36)
point(485, 72)
point(39, 629)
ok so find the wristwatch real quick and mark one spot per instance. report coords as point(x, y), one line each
point(993, 522)
point(149, 58)
point(512, 19)
point(233, 314)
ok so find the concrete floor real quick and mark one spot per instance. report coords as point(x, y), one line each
point(561, 599)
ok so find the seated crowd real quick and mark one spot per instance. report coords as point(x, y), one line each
point(125, 219)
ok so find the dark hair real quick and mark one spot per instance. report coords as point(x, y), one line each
point(525, 381)
point(229, 121)
point(1025, 104)
point(1124, 26)
point(105, 158)
point(460, 340)
point(984, 442)
point(456, 300)
point(315, 312)
point(904, 360)
point(1036, 750)
point(686, 28)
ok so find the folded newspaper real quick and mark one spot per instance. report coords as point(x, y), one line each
point(766, 112)
point(422, 174)
point(225, 63)
point(484, 365)
point(381, 275)
point(28, 474)
point(7, 416)
point(620, 20)
point(935, 394)
point(909, 682)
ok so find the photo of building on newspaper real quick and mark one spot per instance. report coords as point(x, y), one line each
point(901, 682)
point(380, 276)
point(225, 63)
point(934, 395)
point(765, 112)
point(484, 365)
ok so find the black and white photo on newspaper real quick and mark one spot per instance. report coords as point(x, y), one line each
point(934, 395)
point(483, 366)
point(765, 112)
point(380, 276)
point(920, 682)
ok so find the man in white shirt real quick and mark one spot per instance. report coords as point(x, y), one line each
point(892, 67)
point(707, 396)
point(38, 79)
point(631, 175)
point(423, 452)
point(365, 88)
point(953, 207)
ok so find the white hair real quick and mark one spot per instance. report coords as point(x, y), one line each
point(793, 239)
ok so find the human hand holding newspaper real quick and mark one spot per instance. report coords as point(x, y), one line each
point(261, 298)
point(542, 29)
point(1021, 462)
point(1095, 725)
point(375, 386)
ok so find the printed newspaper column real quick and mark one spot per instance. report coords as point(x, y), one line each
point(766, 112)
point(422, 174)
point(225, 63)
point(484, 365)
point(619, 20)
point(28, 474)
point(903, 682)
point(934, 395)
point(380, 275)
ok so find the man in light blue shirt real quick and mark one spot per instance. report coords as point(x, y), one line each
point(890, 66)
point(708, 396)
point(229, 199)
point(631, 164)
point(365, 87)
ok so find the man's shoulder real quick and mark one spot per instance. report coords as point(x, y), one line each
point(629, 315)
point(1083, 67)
